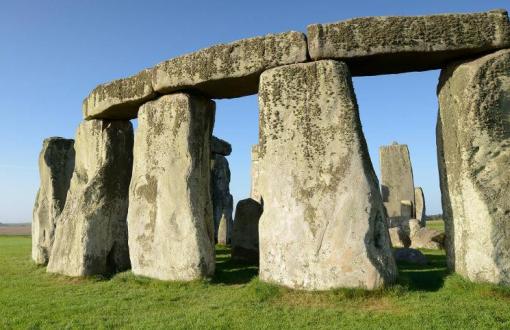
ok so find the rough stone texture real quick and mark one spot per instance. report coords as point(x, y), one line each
point(221, 71)
point(399, 237)
point(255, 173)
point(397, 183)
point(473, 138)
point(91, 234)
point(221, 147)
point(425, 238)
point(222, 200)
point(56, 164)
point(245, 237)
point(410, 256)
point(171, 236)
point(381, 45)
point(419, 206)
point(323, 225)
point(223, 232)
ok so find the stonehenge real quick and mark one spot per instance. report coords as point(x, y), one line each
point(317, 218)
point(323, 224)
point(56, 165)
point(91, 233)
point(473, 146)
point(171, 235)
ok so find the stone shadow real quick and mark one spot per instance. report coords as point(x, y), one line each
point(231, 272)
point(428, 277)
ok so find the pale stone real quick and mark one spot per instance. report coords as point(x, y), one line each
point(419, 206)
point(399, 237)
point(91, 234)
point(323, 224)
point(221, 71)
point(56, 164)
point(222, 200)
point(219, 146)
point(473, 137)
point(425, 238)
point(245, 237)
point(397, 184)
point(223, 237)
point(171, 235)
point(393, 44)
point(255, 173)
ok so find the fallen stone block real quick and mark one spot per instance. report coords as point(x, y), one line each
point(221, 71)
point(56, 165)
point(245, 236)
point(473, 143)
point(425, 238)
point(91, 233)
point(410, 256)
point(323, 225)
point(171, 235)
point(393, 44)
point(399, 237)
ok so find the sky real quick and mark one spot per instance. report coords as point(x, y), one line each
point(53, 53)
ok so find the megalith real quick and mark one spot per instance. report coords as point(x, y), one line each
point(254, 191)
point(171, 234)
point(419, 206)
point(323, 224)
point(397, 184)
point(222, 200)
point(245, 237)
point(91, 234)
point(56, 164)
point(473, 143)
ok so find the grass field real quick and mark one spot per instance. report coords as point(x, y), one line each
point(425, 297)
point(436, 224)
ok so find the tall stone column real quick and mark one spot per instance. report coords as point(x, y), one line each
point(397, 184)
point(56, 164)
point(222, 201)
point(171, 233)
point(91, 235)
point(473, 140)
point(323, 225)
point(255, 170)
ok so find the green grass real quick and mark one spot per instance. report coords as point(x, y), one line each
point(425, 297)
point(436, 224)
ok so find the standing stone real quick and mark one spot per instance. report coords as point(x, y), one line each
point(323, 224)
point(221, 147)
point(223, 237)
point(245, 238)
point(171, 235)
point(91, 235)
point(473, 140)
point(222, 200)
point(255, 173)
point(397, 183)
point(56, 164)
point(419, 206)
point(393, 44)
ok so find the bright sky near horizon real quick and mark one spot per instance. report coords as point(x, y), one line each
point(53, 53)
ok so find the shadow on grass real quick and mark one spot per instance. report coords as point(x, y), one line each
point(428, 277)
point(232, 272)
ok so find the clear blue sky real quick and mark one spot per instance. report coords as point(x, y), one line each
point(52, 53)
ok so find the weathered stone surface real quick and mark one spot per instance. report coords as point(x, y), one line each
point(399, 237)
point(56, 164)
point(323, 224)
point(425, 238)
point(221, 71)
point(410, 256)
point(397, 184)
point(419, 206)
point(221, 147)
point(222, 200)
point(171, 235)
point(91, 234)
point(255, 173)
point(223, 237)
point(381, 45)
point(245, 237)
point(473, 137)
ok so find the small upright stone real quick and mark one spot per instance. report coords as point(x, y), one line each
point(222, 200)
point(171, 235)
point(56, 164)
point(255, 173)
point(91, 235)
point(323, 225)
point(419, 206)
point(245, 237)
point(473, 144)
point(397, 185)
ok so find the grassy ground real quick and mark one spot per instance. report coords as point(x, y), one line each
point(436, 224)
point(425, 297)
